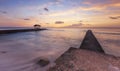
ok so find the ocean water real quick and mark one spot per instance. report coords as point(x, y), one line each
point(21, 51)
point(109, 40)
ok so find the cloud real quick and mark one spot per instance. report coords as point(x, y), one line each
point(117, 17)
point(102, 4)
point(75, 25)
point(90, 7)
point(80, 21)
point(47, 23)
point(26, 19)
point(79, 24)
point(58, 0)
point(46, 9)
point(63, 13)
point(59, 22)
point(3, 12)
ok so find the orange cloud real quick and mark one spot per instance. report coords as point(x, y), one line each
point(105, 4)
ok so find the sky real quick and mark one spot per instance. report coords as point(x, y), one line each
point(60, 13)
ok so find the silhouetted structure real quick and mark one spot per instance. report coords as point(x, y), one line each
point(20, 30)
point(91, 43)
point(37, 26)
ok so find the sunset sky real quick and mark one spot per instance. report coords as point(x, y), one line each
point(60, 13)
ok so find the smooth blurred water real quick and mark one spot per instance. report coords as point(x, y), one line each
point(21, 51)
point(109, 40)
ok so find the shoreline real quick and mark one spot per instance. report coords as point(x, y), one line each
point(90, 56)
point(20, 30)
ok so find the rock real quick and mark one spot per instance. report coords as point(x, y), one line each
point(113, 68)
point(43, 62)
point(3, 52)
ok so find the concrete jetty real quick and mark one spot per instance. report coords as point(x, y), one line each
point(89, 57)
point(83, 60)
point(91, 43)
point(19, 30)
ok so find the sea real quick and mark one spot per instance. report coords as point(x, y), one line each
point(21, 51)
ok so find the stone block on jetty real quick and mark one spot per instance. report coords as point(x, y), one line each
point(91, 43)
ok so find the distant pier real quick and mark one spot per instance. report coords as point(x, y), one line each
point(20, 30)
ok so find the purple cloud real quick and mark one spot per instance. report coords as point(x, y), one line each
point(26, 19)
point(75, 25)
point(3, 12)
point(117, 17)
point(46, 9)
point(80, 21)
point(80, 24)
point(59, 22)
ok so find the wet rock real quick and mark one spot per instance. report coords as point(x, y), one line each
point(43, 62)
point(3, 52)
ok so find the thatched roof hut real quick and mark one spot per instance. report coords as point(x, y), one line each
point(37, 26)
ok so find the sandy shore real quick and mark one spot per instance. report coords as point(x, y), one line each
point(84, 60)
